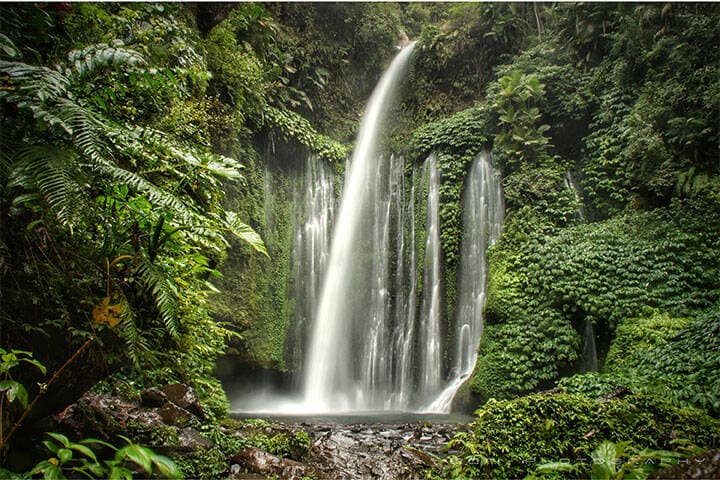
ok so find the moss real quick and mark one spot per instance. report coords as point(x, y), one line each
point(545, 285)
point(509, 438)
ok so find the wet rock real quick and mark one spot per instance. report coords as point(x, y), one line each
point(174, 415)
point(183, 396)
point(191, 438)
point(105, 415)
point(377, 451)
point(153, 397)
point(259, 461)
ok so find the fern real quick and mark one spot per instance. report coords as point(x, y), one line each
point(83, 141)
point(132, 335)
point(46, 171)
point(161, 285)
point(89, 60)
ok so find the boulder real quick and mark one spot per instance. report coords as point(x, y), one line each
point(153, 397)
point(174, 415)
point(263, 463)
point(183, 396)
point(105, 415)
point(191, 438)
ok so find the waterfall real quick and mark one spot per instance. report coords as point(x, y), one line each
point(406, 292)
point(314, 200)
point(483, 211)
point(429, 332)
point(333, 381)
point(589, 361)
point(570, 185)
point(369, 324)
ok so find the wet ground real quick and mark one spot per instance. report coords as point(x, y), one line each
point(375, 446)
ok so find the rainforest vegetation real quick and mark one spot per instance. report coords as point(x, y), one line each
point(136, 249)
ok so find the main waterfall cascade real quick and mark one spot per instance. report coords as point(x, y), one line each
point(372, 336)
point(332, 379)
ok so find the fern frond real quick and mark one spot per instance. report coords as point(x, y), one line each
point(47, 170)
point(132, 335)
point(162, 286)
point(85, 128)
point(31, 84)
point(89, 60)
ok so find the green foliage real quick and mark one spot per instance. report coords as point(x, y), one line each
point(521, 140)
point(617, 461)
point(655, 120)
point(71, 459)
point(293, 126)
point(463, 133)
point(673, 358)
point(239, 70)
point(333, 54)
point(543, 287)
point(12, 389)
point(468, 40)
point(509, 438)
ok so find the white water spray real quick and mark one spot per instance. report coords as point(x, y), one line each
point(330, 383)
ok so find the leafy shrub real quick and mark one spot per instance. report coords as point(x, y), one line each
point(72, 459)
point(508, 438)
point(543, 287)
point(674, 359)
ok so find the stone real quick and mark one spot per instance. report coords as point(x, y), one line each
point(98, 415)
point(175, 415)
point(191, 438)
point(153, 397)
point(183, 396)
point(264, 463)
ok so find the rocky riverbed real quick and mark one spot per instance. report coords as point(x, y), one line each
point(358, 451)
point(170, 420)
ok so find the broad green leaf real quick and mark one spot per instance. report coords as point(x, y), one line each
point(64, 455)
point(88, 441)
point(136, 454)
point(53, 472)
point(39, 365)
point(84, 450)
point(60, 438)
point(119, 473)
point(601, 472)
point(555, 467)
point(50, 446)
point(245, 232)
point(166, 467)
point(14, 390)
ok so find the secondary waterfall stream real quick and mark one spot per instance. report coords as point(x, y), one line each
point(370, 311)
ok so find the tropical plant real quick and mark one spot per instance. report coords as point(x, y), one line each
point(618, 461)
point(13, 392)
point(165, 189)
point(71, 459)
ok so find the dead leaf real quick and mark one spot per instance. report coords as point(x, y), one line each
point(106, 313)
